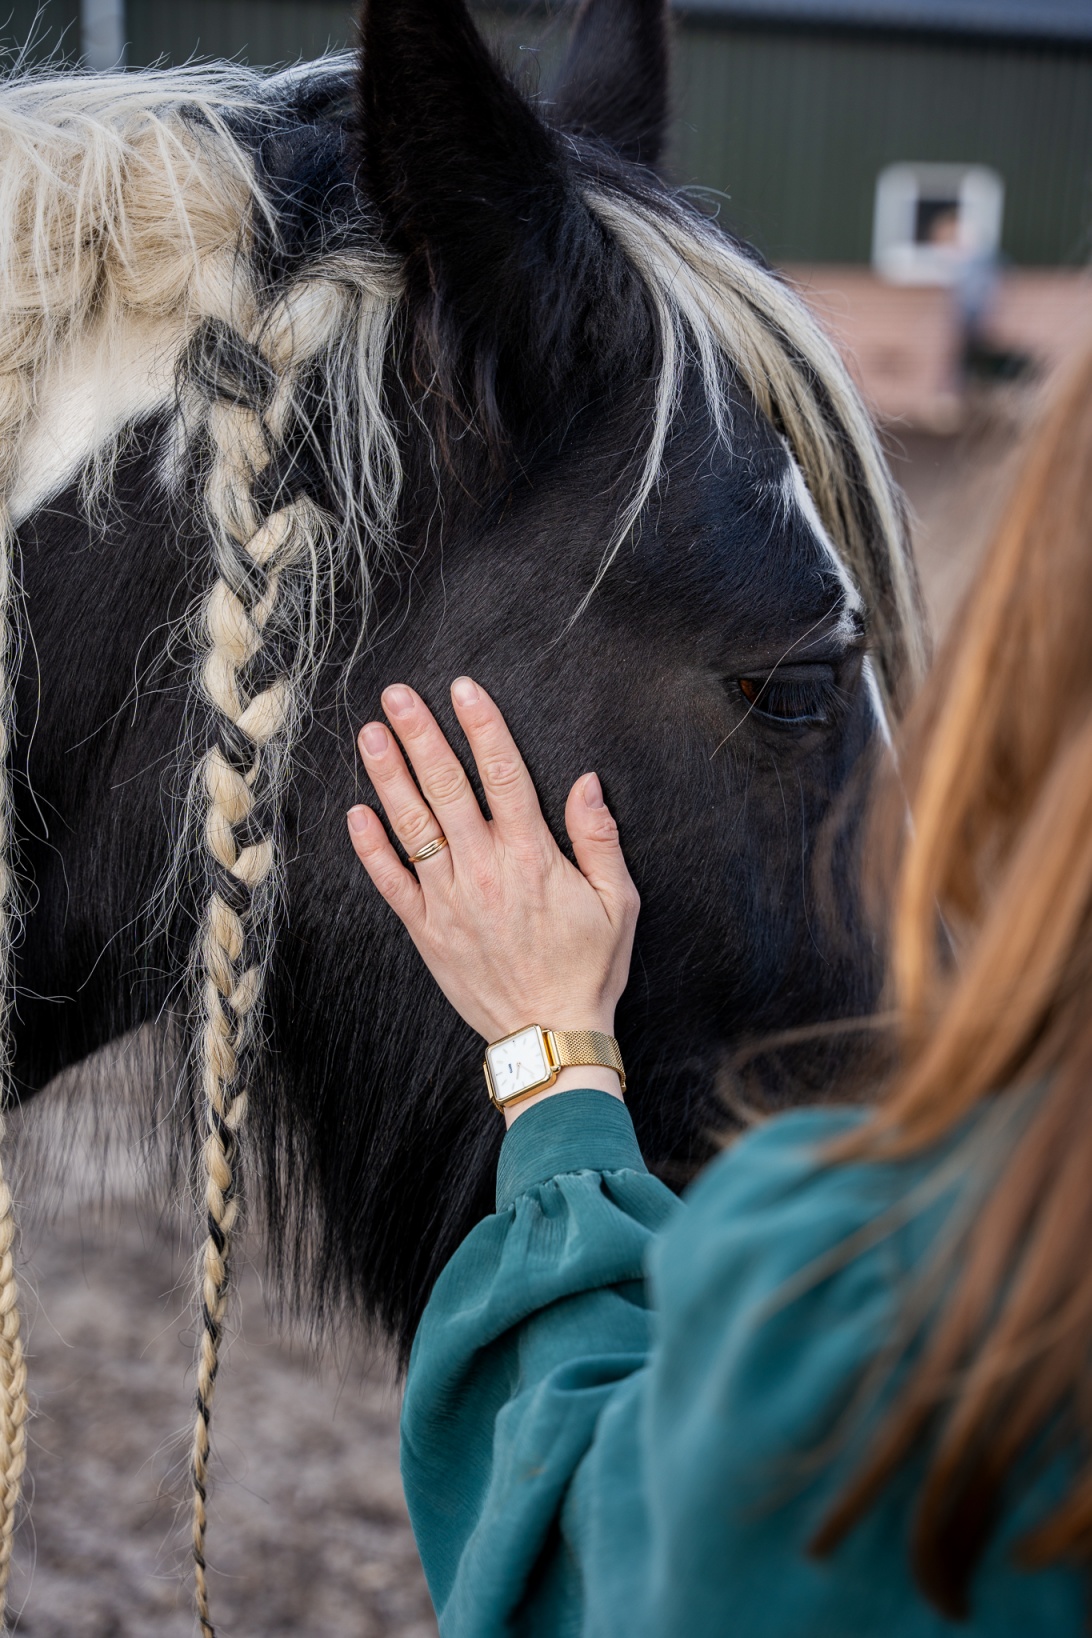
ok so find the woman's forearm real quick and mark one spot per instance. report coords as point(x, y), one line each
point(537, 1330)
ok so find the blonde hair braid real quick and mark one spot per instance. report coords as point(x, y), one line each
point(15, 399)
point(13, 1371)
point(258, 700)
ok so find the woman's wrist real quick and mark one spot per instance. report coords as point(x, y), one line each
point(562, 1015)
point(592, 1077)
point(595, 1077)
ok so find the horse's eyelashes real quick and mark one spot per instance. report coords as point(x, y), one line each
point(808, 698)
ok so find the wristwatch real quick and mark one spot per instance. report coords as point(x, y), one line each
point(530, 1059)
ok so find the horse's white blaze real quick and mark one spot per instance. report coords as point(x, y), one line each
point(796, 496)
point(718, 310)
point(871, 682)
point(89, 394)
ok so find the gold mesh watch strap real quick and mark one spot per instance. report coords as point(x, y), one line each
point(586, 1048)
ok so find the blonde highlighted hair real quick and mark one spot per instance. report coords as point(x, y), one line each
point(991, 973)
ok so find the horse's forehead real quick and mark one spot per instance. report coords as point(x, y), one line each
point(736, 526)
point(801, 510)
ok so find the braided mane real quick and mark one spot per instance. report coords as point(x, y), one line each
point(136, 219)
point(134, 199)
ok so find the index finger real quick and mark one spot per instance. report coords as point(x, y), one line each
point(512, 798)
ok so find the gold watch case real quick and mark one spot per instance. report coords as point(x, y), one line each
point(532, 1038)
point(530, 1059)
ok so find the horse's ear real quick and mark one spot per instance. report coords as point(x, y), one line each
point(517, 290)
point(615, 81)
point(464, 175)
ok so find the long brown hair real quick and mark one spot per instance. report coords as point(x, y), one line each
point(991, 977)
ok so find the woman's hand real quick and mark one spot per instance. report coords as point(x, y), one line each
point(511, 931)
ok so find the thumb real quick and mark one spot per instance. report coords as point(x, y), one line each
point(594, 834)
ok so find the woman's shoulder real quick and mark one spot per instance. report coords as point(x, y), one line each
point(782, 1292)
point(775, 1292)
point(783, 1145)
point(775, 1221)
point(782, 1165)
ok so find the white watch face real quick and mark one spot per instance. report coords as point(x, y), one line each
point(516, 1063)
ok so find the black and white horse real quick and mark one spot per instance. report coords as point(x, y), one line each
point(359, 373)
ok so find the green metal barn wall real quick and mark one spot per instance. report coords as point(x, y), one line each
point(791, 127)
point(56, 28)
point(796, 129)
point(260, 31)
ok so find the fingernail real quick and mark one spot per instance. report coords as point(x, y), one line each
point(593, 792)
point(373, 737)
point(397, 701)
point(464, 691)
point(358, 820)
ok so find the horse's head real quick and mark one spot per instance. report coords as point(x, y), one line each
point(461, 387)
point(642, 504)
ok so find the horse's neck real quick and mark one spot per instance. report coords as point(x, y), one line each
point(100, 709)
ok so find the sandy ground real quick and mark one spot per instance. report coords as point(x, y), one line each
point(309, 1529)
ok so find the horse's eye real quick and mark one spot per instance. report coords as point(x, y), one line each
point(806, 697)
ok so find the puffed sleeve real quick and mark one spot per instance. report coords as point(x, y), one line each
point(534, 1333)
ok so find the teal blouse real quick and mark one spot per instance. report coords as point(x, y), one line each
point(626, 1414)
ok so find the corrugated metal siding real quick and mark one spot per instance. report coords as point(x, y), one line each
point(1029, 19)
point(257, 31)
point(56, 29)
point(792, 127)
point(795, 129)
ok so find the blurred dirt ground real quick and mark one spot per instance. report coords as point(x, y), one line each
point(309, 1530)
point(957, 488)
point(309, 1533)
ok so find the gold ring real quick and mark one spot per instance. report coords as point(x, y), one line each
point(429, 850)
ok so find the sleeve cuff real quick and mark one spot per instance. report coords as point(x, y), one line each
point(578, 1131)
